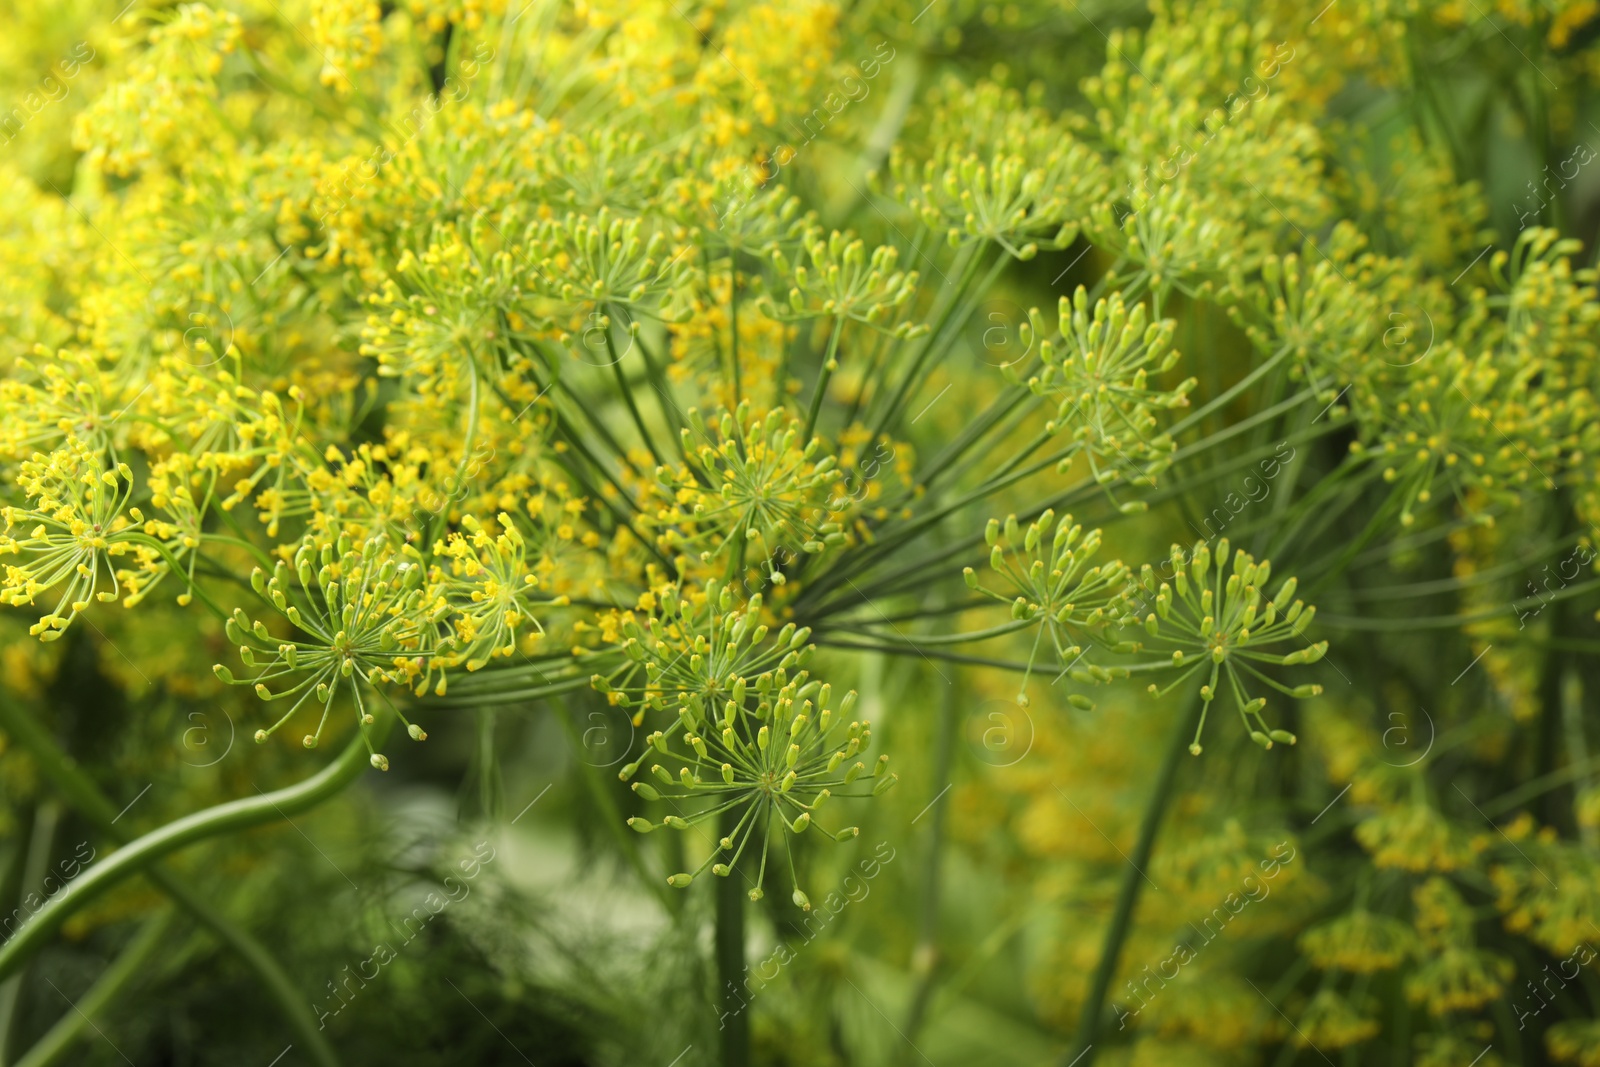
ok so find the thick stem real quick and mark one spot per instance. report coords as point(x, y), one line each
point(734, 1023)
point(222, 819)
point(1081, 1051)
point(84, 795)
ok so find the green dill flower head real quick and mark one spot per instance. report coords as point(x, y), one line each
point(755, 738)
point(1209, 617)
point(843, 282)
point(586, 265)
point(749, 487)
point(1099, 376)
point(452, 305)
point(1049, 582)
point(1415, 837)
point(1359, 942)
point(695, 650)
point(363, 617)
point(1333, 1020)
point(996, 169)
point(1175, 240)
point(773, 754)
point(1458, 979)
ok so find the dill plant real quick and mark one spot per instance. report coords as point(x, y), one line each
point(534, 365)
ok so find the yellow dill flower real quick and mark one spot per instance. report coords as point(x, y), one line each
point(348, 33)
point(491, 590)
point(1415, 837)
point(161, 110)
point(1221, 624)
point(1332, 1021)
point(1574, 1041)
point(1360, 942)
point(1458, 979)
point(71, 529)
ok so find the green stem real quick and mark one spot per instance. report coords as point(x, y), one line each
point(53, 1047)
point(925, 958)
point(734, 1024)
point(627, 398)
point(1081, 1051)
point(230, 817)
point(829, 361)
point(70, 780)
point(733, 331)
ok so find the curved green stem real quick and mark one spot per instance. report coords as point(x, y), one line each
point(83, 794)
point(226, 818)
